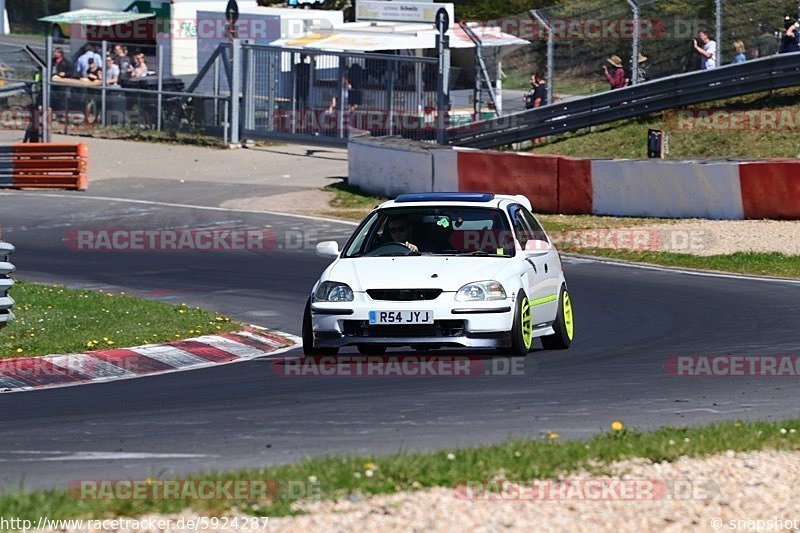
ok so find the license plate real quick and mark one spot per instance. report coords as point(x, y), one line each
point(401, 317)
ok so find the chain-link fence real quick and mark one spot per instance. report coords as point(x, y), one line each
point(120, 89)
point(590, 36)
point(325, 94)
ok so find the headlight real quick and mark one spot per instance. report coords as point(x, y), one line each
point(480, 291)
point(333, 291)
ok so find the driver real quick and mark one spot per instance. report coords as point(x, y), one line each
point(401, 230)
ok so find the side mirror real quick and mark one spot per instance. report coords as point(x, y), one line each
point(328, 249)
point(535, 246)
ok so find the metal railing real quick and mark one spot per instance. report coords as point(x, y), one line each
point(774, 72)
point(319, 96)
point(157, 102)
point(6, 269)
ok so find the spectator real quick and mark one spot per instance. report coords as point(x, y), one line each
point(790, 41)
point(112, 72)
point(355, 82)
point(617, 79)
point(62, 67)
point(641, 69)
point(539, 98)
point(738, 46)
point(123, 61)
point(303, 77)
point(708, 50)
point(540, 93)
point(530, 96)
point(94, 72)
point(82, 65)
point(139, 67)
point(766, 44)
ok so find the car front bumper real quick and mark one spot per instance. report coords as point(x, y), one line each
point(456, 324)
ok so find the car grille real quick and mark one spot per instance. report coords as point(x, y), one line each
point(440, 328)
point(404, 295)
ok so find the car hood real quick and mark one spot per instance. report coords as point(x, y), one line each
point(415, 272)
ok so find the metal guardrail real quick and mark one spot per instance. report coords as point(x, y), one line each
point(6, 269)
point(774, 72)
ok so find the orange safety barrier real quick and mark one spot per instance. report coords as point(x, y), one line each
point(770, 189)
point(535, 176)
point(47, 166)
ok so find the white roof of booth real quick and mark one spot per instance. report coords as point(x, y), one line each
point(371, 37)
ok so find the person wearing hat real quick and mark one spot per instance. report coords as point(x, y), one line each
point(641, 68)
point(617, 79)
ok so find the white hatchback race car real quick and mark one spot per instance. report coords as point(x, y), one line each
point(436, 270)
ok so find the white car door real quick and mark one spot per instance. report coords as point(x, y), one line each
point(541, 255)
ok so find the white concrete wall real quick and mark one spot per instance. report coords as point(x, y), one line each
point(390, 167)
point(667, 189)
point(445, 163)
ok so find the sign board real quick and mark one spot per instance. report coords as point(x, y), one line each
point(379, 10)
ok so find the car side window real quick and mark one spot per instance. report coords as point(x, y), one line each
point(537, 232)
point(522, 231)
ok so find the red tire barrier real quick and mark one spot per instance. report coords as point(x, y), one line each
point(574, 186)
point(45, 166)
point(770, 189)
point(534, 176)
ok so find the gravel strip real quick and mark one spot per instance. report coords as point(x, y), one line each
point(688, 494)
point(722, 237)
point(697, 494)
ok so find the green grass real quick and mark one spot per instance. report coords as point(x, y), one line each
point(348, 197)
point(349, 203)
point(514, 460)
point(753, 263)
point(628, 139)
point(557, 223)
point(52, 319)
point(520, 80)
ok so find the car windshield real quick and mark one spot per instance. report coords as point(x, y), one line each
point(434, 230)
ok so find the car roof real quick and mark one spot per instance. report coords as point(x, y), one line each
point(455, 198)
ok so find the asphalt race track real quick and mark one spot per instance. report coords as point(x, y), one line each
point(629, 321)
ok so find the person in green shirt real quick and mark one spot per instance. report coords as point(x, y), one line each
point(766, 43)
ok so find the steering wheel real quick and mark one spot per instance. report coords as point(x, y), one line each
point(390, 248)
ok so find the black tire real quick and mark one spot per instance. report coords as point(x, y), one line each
point(518, 344)
point(371, 349)
point(308, 336)
point(562, 338)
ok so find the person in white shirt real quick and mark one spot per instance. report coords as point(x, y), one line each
point(112, 72)
point(708, 50)
point(139, 67)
